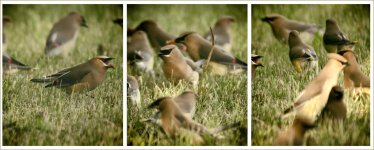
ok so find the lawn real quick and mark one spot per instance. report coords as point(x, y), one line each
point(221, 99)
point(38, 116)
point(277, 84)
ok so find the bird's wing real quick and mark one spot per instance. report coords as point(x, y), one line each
point(69, 76)
point(59, 37)
point(185, 105)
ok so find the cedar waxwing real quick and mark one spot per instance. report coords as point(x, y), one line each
point(282, 26)
point(255, 63)
point(309, 104)
point(133, 90)
point(353, 77)
point(175, 66)
point(62, 37)
point(139, 52)
point(302, 56)
point(222, 33)
point(173, 120)
point(11, 65)
point(221, 62)
point(83, 77)
point(6, 20)
point(293, 135)
point(335, 105)
point(185, 101)
point(334, 40)
point(156, 35)
point(118, 21)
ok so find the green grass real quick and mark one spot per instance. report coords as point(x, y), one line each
point(221, 99)
point(277, 84)
point(48, 116)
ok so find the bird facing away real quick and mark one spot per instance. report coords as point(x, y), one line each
point(309, 104)
point(281, 27)
point(11, 65)
point(62, 37)
point(335, 106)
point(156, 35)
point(335, 40)
point(221, 62)
point(140, 53)
point(83, 77)
point(175, 66)
point(222, 33)
point(133, 90)
point(174, 121)
point(118, 21)
point(302, 56)
point(293, 135)
point(255, 63)
point(353, 77)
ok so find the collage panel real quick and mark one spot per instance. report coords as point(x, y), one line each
point(310, 79)
point(185, 87)
point(62, 75)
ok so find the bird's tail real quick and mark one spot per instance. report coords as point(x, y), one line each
point(224, 128)
point(43, 80)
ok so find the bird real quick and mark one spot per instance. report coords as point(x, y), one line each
point(175, 66)
point(282, 26)
point(186, 101)
point(221, 62)
point(11, 65)
point(140, 53)
point(62, 37)
point(174, 121)
point(293, 135)
point(222, 33)
point(335, 40)
point(255, 63)
point(310, 102)
point(118, 21)
point(302, 56)
point(83, 77)
point(133, 92)
point(335, 106)
point(156, 35)
point(353, 76)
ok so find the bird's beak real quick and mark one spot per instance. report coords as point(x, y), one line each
point(264, 19)
point(168, 42)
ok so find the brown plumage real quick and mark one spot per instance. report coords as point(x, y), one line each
point(222, 33)
point(335, 106)
point(140, 53)
point(293, 135)
point(335, 40)
point(156, 35)
point(62, 37)
point(302, 56)
point(353, 77)
point(309, 104)
point(84, 77)
point(221, 62)
point(281, 27)
point(133, 92)
point(175, 66)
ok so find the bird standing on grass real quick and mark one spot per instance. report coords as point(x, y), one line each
point(175, 66)
point(140, 52)
point(281, 27)
point(83, 77)
point(309, 104)
point(174, 122)
point(255, 63)
point(354, 79)
point(302, 56)
point(334, 40)
point(335, 105)
point(221, 62)
point(156, 35)
point(62, 37)
point(222, 33)
point(133, 90)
